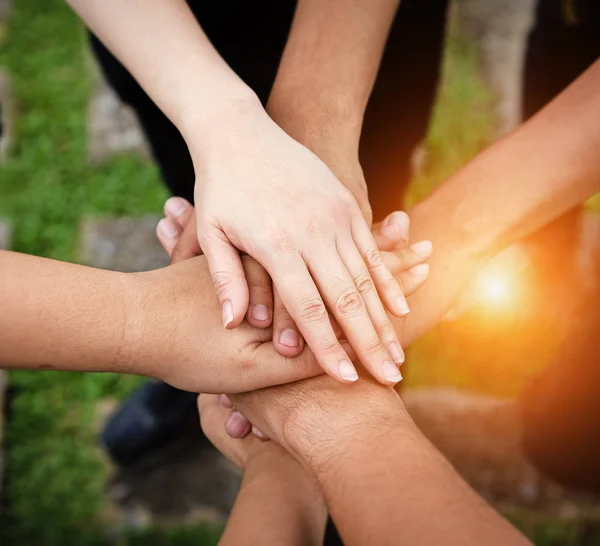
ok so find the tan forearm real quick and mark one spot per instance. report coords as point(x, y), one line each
point(57, 315)
point(330, 62)
point(532, 176)
point(396, 488)
point(278, 503)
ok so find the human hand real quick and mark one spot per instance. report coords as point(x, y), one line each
point(317, 419)
point(312, 240)
point(174, 334)
point(177, 234)
point(215, 411)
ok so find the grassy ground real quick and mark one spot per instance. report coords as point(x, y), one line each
point(56, 475)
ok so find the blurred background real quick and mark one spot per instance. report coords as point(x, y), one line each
point(77, 183)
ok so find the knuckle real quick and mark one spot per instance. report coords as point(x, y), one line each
point(280, 240)
point(313, 230)
point(384, 327)
point(222, 281)
point(389, 282)
point(373, 346)
point(364, 283)
point(329, 347)
point(313, 310)
point(348, 302)
point(372, 258)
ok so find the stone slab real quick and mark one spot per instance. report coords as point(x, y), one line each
point(499, 30)
point(125, 244)
point(192, 483)
point(113, 127)
point(5, 6)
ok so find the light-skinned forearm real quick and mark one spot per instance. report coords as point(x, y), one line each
point(57, 315)
point(278, 503)
point(391, 486)
point(544, 168)
point(163, 46)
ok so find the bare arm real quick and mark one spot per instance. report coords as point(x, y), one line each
point(60, 315)
point(532, 176)
point(383, 482)
point(300, 215)
point(162, 45)
point(325, 78)
point(278, 503)
point(162, 324)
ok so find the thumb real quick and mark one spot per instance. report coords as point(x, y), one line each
point(392, 231)
point(187, 246)
point(227, 273)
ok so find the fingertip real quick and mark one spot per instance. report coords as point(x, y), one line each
point(420, 273)
point(422, 249)
point(235, 309)
point(236, 425)
point(391, 373)
point(287, 351)
point(396, 226)
point(260, 316)
point(347, 372)
point(225, 402)
point(401, 306)
point(165, 236)
point(176, 206)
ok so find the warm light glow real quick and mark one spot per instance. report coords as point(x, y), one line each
point(498, 285)
point(494, 287)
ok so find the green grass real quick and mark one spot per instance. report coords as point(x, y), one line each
point(463, 120)
point(56, 476)
point(53, 494)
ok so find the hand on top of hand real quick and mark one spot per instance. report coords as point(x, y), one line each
point(177, 234)
point(273, 199)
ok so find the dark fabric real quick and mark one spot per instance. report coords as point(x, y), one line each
point(251, 37)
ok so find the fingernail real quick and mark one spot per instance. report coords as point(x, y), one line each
point(167, 228)
point(225, 402)
point(396, 225)
point(259, 434)
point(422, 249)
point(289, 338)
point(347, 371)
point(227, 313)
point(391, 372)
point(402, 305)
point(261, 312)
point(236, 425)
point(420, 272)
point(175, 207)
point(396, 353)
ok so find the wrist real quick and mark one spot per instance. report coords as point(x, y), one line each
point(320, 120)
point(235, 112)
point(320, 434)
point(141, 340)
point(328, 128)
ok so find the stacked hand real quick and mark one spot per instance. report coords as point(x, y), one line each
point(313, 244)
point(177, 235)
